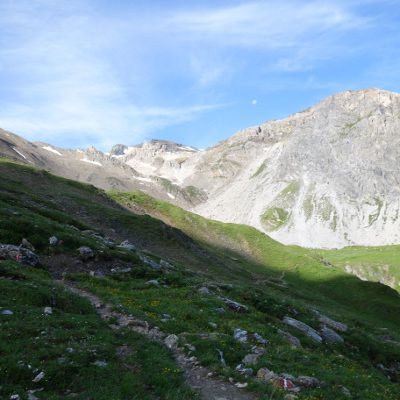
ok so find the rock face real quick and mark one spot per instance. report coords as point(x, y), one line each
point(324, 177)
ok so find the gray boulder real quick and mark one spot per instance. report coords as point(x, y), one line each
point(244, 371)
point(307, 381)
point(171, 341)
point(330, 336)
point(53, 241)
point(259, 339)
point(19, 254)
point(153, 282)
point(148, 261)
point(166, 265)
point(251, 359)
point(86, 253)
point(240, 335)
point(302, 327)
point(235, 306)
point(27, 245)
point(205, 291)
point(337, 326)
point(266, 375)
point(293, 340)
point(127, 245)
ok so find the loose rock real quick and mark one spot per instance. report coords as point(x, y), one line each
point(126, 244)
point(244, 371)
point(171, 341)
point(19, 254)
point(38, 377)
point(85, 253)
point(235, 306)
point(7, 312)
point(266, 375)
point(204, 290)
point(53, 241)
point(153, 282)
point(345, 391)
point(337, 326)
point(27, 245)
point(48, 311)
point(293, 340)
point(240, 335)
point(330, 336)
point(100, 364)
point(260, 339)
point(306, 329)
point(308, 381)
point(166, 265)
point(148, 261)
point(251, 359)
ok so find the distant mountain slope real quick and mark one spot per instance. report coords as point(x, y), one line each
point(104, 170)
point(324, 177)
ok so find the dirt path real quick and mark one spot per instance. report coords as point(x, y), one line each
point(198, 377)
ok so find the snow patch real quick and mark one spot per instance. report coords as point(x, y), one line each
point(171, 196)
point(91, 162)
point(17, 151)
point(48, 148)
point(187, 148)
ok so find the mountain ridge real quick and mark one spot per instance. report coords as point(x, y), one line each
point(324, 177)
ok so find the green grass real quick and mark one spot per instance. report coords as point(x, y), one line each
point(260, 170)
point(236, 261)
point(191, 314)
point(279, 211)
point(274, 218)
point(66, 344)
point(372, 263)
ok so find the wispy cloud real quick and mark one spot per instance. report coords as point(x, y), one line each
point(89, 72)
point(265, 24)
point(65, 81)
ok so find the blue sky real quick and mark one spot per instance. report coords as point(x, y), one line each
point(76, 73)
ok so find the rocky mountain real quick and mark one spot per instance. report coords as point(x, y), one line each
point(110, 171)
point(324, 177)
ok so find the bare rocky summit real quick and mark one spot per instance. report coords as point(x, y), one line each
point(324, 177)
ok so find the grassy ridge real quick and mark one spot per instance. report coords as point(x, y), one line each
point(235, 261)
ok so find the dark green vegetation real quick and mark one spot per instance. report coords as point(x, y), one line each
point(234, 261)
point(76, 351)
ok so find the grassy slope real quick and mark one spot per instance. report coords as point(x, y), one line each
point(374, 263)
point(310, 279)
point(36, 205)
point(66, 344)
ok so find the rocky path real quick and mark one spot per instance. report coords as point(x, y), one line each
point(200, 379)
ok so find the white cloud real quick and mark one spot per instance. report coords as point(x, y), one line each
point(72, 72)
point(272, 24)
point(254, 102)
point(67, 85)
